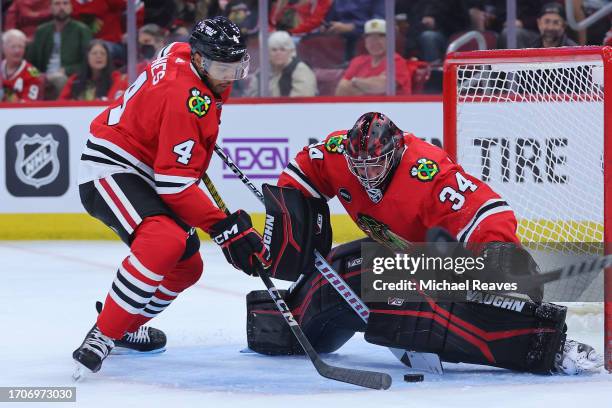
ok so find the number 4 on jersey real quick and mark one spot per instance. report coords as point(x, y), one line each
point(183, 150)
point(450, 194)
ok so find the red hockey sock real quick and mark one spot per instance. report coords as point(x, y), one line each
point(157, 246)
point(185, 274)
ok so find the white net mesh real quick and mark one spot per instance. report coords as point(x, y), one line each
point(534, 132)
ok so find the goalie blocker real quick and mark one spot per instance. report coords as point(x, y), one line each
point(294, 227)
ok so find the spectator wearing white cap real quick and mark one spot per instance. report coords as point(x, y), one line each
point(288, 75)
point(367, 74)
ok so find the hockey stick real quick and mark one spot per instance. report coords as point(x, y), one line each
point(567, 272)
point(419, 361)
point(368, 379)
point(439, 235)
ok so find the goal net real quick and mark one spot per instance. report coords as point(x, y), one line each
point(531, 123)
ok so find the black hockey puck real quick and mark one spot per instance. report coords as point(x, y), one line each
point(413, 377)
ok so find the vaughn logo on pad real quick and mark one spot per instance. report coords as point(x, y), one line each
point(36, 160)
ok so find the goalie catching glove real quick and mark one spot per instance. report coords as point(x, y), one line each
point(241, 244)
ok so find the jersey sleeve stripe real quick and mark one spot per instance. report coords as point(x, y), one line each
point(166, 50)
point(165, 184)
point(101, 160)
point(294, 171)
point(106, 149)
point(173, 179)
point(493, 206)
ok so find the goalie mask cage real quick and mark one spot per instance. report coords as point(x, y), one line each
point(536, 125)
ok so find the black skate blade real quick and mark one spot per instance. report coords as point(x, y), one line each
point(124, 351)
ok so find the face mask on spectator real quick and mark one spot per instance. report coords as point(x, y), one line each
point(147, 51)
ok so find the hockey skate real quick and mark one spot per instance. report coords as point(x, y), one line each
point(92, 352)
point(144, 340)
point(577, 358)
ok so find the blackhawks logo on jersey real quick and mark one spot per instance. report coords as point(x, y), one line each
point(197, 103)
point(335, 144)
point(33, 72)
point(425, 170)
point(381, 233)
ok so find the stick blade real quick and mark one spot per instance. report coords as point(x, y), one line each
point(362, 378)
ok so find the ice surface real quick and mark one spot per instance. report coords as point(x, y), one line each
point(47, 300)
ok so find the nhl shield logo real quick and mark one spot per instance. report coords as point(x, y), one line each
point(37, 162)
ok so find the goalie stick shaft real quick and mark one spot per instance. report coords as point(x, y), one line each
point(567, 272)
point(419, 361)
point(363, 378)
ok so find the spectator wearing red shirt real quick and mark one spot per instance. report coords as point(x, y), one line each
point(366, 74)
point(298, 16)
point(20, 80)
point(26, 15)
point(96, 80)
point(240, 12)
point(105, 18)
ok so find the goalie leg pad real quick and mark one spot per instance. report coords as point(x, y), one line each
point(326, 319)
point(295, 226)
point(267, 331)
point(518, 336)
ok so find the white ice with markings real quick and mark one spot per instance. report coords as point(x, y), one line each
point(47, 300)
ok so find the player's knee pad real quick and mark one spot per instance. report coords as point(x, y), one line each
point(160, 239)
point(325, 317)
point(185, 274)
point(493, 330)
point(295, 226)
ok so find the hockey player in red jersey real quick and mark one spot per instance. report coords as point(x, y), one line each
point(140, 173)
point(396, 187)
point(404, 183)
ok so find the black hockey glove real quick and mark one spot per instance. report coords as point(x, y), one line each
point(242, 245)
point(505, 260)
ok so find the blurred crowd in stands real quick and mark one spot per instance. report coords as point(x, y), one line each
point(75, 49)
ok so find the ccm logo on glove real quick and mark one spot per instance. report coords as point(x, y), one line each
point(227, 234)
point(241, 243)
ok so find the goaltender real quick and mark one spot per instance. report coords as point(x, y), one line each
point(396, 188)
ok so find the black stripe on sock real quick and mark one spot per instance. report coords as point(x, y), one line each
point(126, 298)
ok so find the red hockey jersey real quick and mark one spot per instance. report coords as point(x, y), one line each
point(23, 85)
point(427, 189)
point(164, 129)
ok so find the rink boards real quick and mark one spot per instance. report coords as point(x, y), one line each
point(41, 146)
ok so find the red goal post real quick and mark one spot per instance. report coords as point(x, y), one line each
point(536, 125)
